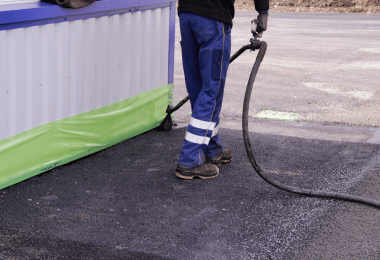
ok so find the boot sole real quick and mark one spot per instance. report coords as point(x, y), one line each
point(222, 161)
point(192, 177)
point(226, 160)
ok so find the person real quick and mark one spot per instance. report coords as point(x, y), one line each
point(206, 47)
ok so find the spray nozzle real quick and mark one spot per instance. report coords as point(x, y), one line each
point(254, 29)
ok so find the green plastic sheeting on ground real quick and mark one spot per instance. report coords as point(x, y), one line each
point(40, 149)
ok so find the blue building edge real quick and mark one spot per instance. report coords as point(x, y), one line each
point(26, 14)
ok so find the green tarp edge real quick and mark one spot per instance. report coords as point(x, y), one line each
point(42, 148)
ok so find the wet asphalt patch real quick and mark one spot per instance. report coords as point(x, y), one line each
point(126, 203)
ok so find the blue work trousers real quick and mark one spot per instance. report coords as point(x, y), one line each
point(206, 49)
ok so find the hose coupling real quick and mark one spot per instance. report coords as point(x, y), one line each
point(255, 44)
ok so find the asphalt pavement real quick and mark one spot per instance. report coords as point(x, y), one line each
point(321, 67)
point(126, 203)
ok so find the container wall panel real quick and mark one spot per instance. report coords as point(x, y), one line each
point(54, 71)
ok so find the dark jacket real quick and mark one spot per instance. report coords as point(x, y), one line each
point(222, 10)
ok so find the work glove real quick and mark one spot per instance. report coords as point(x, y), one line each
point(259, 25)
point(262, 21)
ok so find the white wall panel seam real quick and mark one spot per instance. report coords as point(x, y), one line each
point(155, 46)
point(51, 73)
point(113, 54)
point(4, 86)
point(11, 50)
point(89, 55)
point(30, 78)
point(59, 69)
point(66, 72)
point(101, 43)
point(124, 54)
point(146, 18)
point(165, 45)
point(136, 54)
point(37, 83)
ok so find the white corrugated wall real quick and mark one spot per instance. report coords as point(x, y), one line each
point(55, 71)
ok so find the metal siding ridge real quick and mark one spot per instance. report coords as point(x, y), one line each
point(30, 78)
point(44, 67)
point(89, 58)
point(11, 69)
point(64, 96)
point(20, 81)
point(4, 89)
point(101, 44)
point(35, 34)
point(114, 62)
point(146, 39)
point(125, 60)
point(52, 65)
point(164, 72)
point(59, 84)
point(78, 61)
point(76, 67)
point(136, 53)
point(155, 47)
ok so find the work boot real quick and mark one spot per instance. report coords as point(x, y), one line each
point(224, 157)
point(204, 171)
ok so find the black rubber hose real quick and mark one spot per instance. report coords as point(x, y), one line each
point(247, 143)
point(240, 51)
point(180, 104)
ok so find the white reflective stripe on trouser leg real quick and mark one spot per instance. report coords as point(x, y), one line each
point(197, 139)
point(202, 124)
point(215, 131)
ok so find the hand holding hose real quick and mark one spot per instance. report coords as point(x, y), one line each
point(262, 21)
point(259, 25)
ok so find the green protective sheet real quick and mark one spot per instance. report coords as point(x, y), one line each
point(42, 148)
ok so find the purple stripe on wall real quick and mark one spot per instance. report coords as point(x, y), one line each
point(153, 2)
point(150, 7)
point(63, 19)
point(20, 15)
point(173, 12)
